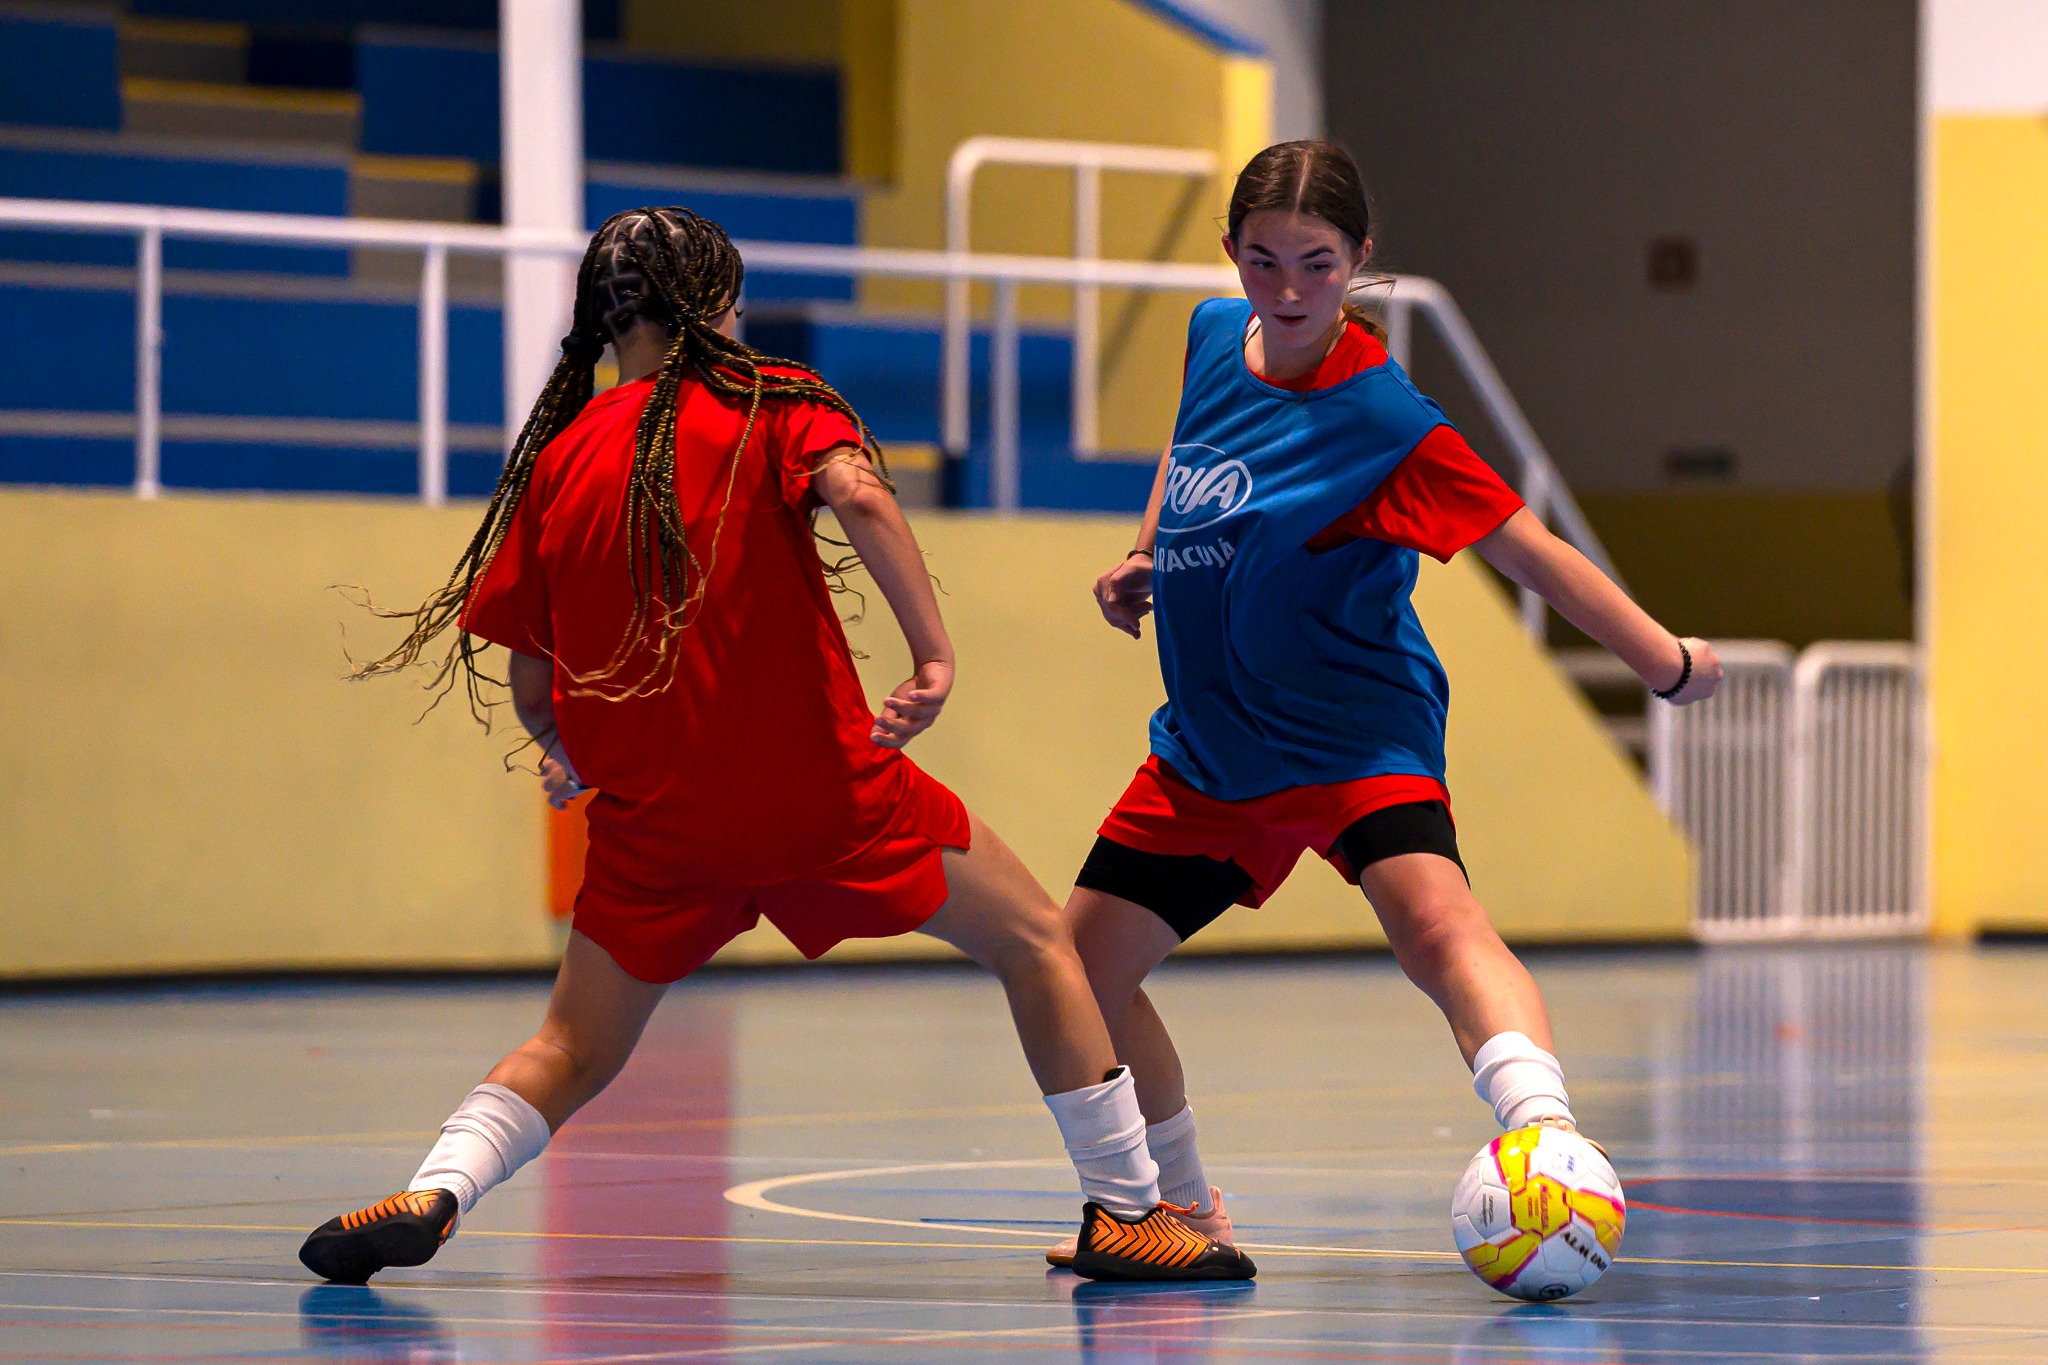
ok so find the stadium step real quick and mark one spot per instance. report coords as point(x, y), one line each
point(1613, 690)
point(240, 113)
point(184, 50)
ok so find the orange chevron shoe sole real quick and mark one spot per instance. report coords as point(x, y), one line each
point(1214, 1225)
point(406, 1229)
point(1156, 1247)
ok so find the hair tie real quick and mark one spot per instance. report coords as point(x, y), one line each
point(582, 349)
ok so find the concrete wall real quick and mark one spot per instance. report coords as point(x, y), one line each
point(1292, 33)
point(197, 788)
point(1984, 476)
point(1528, 152)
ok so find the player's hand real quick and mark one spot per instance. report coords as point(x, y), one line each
point(1125, 594)
point(1706, 673)
point(561, 785)
point(910, 710)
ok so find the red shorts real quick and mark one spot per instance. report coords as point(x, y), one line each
point(1265, 835)
point(890, 886)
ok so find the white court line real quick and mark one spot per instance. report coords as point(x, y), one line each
point(754, 1195)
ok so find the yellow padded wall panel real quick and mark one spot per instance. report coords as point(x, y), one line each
point(194, 786)
point(1988, 579)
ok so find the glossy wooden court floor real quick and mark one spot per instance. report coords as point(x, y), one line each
point(1836, 1154)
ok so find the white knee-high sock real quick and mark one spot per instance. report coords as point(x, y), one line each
point(1181, 1178)
point(1105, 1137)
point(489, 1136)
point(1522, 1082)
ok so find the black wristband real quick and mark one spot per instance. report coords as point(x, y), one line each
point(1684, 676)
point(1141, 550)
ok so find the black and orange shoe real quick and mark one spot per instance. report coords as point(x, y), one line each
point(1156, 1247)
point(406, 1229)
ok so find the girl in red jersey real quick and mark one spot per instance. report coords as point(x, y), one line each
point(648, 560)
point(1305, 708)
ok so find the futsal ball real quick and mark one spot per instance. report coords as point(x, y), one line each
point(1539, 1213)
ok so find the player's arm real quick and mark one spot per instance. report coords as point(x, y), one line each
point(1525, 550)
point(1125, 592)
point(875, 526)
point(533, 701)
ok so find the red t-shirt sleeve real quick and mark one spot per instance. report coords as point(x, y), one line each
point(509, 604)
point(1441, 498)
point(805, 433)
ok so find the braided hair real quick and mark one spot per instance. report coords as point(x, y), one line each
point(679, 270)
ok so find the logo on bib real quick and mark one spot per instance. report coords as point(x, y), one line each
point(1198, 496)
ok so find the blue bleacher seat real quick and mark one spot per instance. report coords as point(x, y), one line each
point(428, 94)
point(59, 70)
point(767, 211)
point(600, 17)
point(98, 166)
point(354, 359)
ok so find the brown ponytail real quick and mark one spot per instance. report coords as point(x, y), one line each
point(1320, 180)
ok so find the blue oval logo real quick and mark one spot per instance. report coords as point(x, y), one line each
point(1198, 496)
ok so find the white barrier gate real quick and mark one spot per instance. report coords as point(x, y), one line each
point(1854, 862)
point(1799, 784)
point(1718, 770)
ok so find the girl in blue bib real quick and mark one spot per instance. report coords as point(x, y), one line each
point(1304, 706)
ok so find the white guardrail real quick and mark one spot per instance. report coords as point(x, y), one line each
point(1541, 486)
point(1800, 784)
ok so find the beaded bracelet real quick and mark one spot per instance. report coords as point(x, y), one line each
point(1684, 676)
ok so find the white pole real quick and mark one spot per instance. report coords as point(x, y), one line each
point(957, 345)
point(1006, 473)
point(540, 66)
point(1087, 310)
point(149, 362)
point(434, 376)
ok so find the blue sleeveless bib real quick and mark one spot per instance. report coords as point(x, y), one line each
point(1285, 668)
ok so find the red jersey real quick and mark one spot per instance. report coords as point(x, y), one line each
point(753, 765)
point(1438, 500)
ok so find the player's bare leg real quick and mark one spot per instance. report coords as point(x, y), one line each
point(1120, 942)
point(1445, 943)
point(595, 1017)
point(1001, 917)
point(594, 1020)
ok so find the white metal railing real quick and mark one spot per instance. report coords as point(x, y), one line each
point(1801, 786)
point(150, 226)
point(1087, 160)
point(1542, 487)
point(1853, 865)
point(1718, 770)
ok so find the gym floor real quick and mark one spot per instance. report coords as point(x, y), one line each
point(1828, 1155)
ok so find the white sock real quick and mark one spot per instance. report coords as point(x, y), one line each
point(489, 1136)
point(1522, 1082)
point(1181, 1180)
point(1105, 1136)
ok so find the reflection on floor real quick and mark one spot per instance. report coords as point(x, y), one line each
point(1829, 1154)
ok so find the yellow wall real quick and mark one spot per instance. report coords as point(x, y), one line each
point(1988, 577)
point(198, 788)
point(190, 782)
point(1095, 70)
